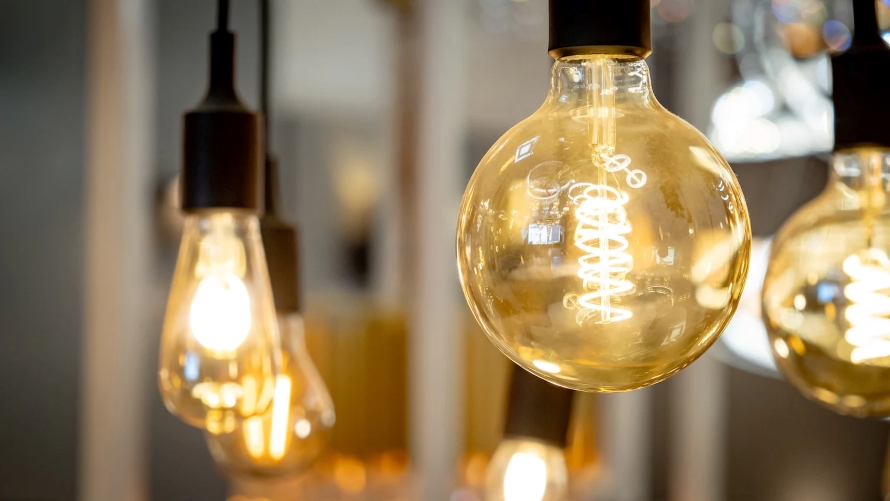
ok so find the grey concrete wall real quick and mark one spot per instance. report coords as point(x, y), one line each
point(42, 141)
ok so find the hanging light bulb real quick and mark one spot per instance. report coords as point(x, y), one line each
point(295, 429)
point(529, 464)
point(602, 243)
point(826, 297)
point(220, 352)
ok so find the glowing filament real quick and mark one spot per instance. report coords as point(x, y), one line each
point(280, 417)
point(870, 305)
point(255, 437)
point(600, 235)
point(220, 312)
point(525, 478)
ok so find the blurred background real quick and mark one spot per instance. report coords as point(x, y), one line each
point(381, 111)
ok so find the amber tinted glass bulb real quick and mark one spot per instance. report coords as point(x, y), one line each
point(296, 428)
point(220, 349)
point(826, 297)
point(603, 242)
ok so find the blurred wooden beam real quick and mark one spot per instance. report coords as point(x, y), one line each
point(117, 377)
point(435, 349)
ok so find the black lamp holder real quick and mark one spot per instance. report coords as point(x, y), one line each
point(537, 409)
point(222, 140)
point(582, 27)
point(280, 239)
point(860, 76)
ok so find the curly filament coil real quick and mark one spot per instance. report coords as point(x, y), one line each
point(602, 224)
point(870, 305)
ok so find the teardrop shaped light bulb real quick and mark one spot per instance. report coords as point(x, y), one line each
point(220, 348)
point(296, 428)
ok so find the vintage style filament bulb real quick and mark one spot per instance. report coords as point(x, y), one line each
point(826, 297)
point(296, 428)
point(530, 464)
point(602, 243)
point(526, 470)
point(220, 350)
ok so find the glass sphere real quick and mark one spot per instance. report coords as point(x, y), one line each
point(526, 470)
point(603, 243)
point(826, 297)
point(293, 433)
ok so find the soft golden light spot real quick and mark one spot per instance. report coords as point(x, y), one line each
point(477, 464)
point(350, 475)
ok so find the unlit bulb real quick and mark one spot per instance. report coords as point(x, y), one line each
point(220, 350)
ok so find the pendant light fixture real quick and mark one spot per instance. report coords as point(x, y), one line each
point(294, 431)
point(529, 464)
point(220, 349)
point(826, 297)
point(603, 243)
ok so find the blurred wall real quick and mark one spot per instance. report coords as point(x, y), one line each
point(42, 158)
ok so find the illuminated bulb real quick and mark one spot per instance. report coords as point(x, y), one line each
point(526, 470)
point(220, 347)
point(826, 296)
point(295, 429)
point(602, 242)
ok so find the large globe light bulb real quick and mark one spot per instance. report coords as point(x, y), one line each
point(826, 297)
point(602, 242)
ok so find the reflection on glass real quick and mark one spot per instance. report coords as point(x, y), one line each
point(602, 242)
point(826, 296)
point(220, 346)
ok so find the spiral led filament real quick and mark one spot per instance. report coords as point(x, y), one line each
point(870, 305)
point(600, 235)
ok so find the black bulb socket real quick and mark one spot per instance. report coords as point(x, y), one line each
point(860, 78)
point(537, 409)
point(222, 142)
point(281, 243)
point(584, 27)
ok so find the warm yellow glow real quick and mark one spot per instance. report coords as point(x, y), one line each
point(869, 307)
point(220, 313)
point(350, 475)
point(580, 229)
point(255, 437)
point(220, 349)
point(280, 417)
point(602, 224)
point(303, 428)
point(526, 478)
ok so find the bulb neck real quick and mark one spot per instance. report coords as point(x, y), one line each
point(862, 168)
point(861, 178)
point(293, 337)
point(583, 81)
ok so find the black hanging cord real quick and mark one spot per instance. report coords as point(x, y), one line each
point(865, 23)
point(264, 65)
point(222, 15)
